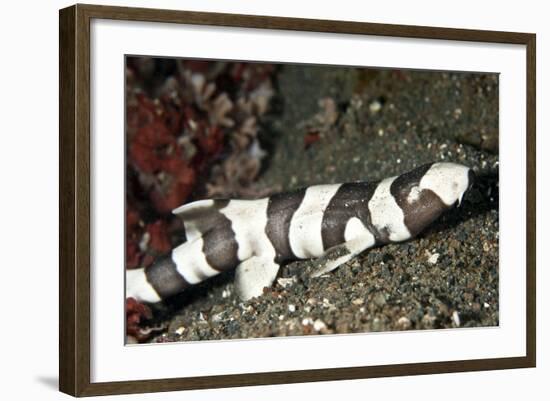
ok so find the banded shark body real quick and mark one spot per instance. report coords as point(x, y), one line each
point(330, 223)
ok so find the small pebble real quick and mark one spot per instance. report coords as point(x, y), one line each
point(286, 282)
point(433, 258)
point(404, 323)
point(376, 324)
point(218, 317)
point(456, 319)
point(375, 107)
point(319, 325)
point(327, 304)
point(380, 299)
point(291, 308)
point(357, 301)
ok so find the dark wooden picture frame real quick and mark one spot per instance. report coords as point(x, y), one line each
point(74, 204)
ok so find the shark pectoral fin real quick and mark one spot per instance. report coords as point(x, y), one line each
point(253, 274)
point(338, 255)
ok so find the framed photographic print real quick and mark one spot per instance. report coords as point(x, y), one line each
point(313, 200)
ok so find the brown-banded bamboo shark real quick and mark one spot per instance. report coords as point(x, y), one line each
point(331, 223)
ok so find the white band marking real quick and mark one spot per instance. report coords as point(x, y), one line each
point(139, 288)
point(386, 213)
point(191, 262)
point(305, 228)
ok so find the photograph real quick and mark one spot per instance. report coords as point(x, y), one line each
point(287, 200)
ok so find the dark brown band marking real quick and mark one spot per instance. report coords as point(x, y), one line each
point(220, 246)
point(425, 209)
point(351, 200)
point(280, 209)
point(423, 212)
point(164, 277)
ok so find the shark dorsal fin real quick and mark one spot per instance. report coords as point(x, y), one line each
point(201, 216)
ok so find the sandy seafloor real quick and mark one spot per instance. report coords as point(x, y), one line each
point(385, 123)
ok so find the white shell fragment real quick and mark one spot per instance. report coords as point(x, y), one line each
point(433, 258)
